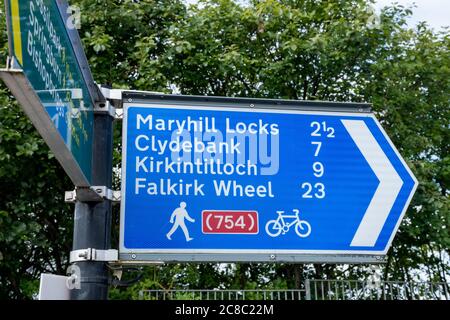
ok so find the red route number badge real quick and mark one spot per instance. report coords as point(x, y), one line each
point(230, 221)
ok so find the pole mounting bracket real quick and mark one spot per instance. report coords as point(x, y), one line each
point(105, 107)
point(92, 194)
point(91, 254)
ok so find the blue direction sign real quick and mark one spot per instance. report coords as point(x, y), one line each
point(208, 183)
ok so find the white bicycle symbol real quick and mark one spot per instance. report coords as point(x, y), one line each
point(275, 227)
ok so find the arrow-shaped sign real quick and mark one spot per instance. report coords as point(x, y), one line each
point(316, 183)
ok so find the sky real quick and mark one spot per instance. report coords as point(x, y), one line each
point(435, 12)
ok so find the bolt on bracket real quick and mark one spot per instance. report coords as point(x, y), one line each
point(92, 194)
point(91, 254)
point(105, 107)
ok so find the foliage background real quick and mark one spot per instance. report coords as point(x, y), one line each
point(295, 49)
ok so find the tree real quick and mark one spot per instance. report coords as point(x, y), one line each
point(335, 50)
point(410, 90)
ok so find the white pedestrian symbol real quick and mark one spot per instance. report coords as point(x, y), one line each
point(179, 214)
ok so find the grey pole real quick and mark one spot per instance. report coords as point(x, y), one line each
point(92, 223)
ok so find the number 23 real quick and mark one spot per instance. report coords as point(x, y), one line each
point(319, 190)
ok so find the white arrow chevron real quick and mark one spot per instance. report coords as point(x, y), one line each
point(387, 190)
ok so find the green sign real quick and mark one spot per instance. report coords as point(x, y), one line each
point(44, 47)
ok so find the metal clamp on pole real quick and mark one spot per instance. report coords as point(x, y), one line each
point(92, 194)
point(105, 107)
point(91, 254)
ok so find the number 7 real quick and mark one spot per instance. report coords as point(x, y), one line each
point(319, 145)
point(219, 223)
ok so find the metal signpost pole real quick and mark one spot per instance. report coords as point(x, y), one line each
point(92, 225)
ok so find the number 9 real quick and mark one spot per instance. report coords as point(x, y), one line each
point(318, 169)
